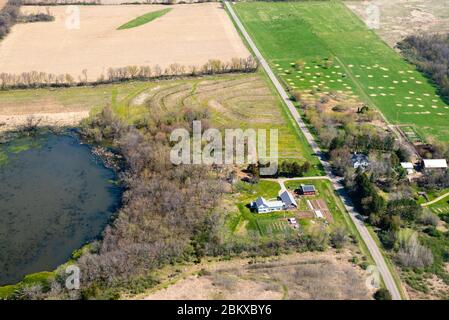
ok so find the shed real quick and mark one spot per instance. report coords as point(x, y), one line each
point(308, 189)
point(435, 164)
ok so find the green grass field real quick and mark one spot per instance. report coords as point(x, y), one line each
point(363, 65)
point(148, 17)
point(441, 207)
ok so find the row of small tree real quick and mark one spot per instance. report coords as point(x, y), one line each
point(99, 2)
point(34, 79)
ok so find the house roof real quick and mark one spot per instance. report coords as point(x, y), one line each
point(359, 160)
point(261, 202)
point(407, 165)
point(435, 163)
point(270, 204)
point(288, 199)
point(308, 188)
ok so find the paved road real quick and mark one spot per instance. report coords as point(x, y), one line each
point(337, 182)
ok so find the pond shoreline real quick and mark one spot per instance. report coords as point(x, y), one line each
point(103, 156)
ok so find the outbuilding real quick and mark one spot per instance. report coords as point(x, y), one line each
point(408, 166)
point(434, 164)
point(308, 189)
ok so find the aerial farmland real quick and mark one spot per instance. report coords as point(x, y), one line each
point(135, 138)
point(363, 65)
point(185, 35)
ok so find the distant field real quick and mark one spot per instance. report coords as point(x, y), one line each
point(233, 101)
point(188, 35)
point(401, 18)
point(363, 65)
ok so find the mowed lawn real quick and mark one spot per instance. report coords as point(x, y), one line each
point(363, 64)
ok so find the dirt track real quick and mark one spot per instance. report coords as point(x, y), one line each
point(188, 35)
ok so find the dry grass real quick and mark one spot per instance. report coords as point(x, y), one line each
point(188, 35)
point(400, 18)
point(326, 275)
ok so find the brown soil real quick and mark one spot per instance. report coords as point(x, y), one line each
point(188, 35)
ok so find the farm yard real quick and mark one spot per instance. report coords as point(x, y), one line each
point(186, 35)
point(244, 223)
point(343, 55)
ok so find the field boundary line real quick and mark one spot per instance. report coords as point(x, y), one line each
point(374, 250)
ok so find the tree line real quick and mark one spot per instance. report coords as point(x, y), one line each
point(98, 2)
point(8, 16)
point(34, 79)
point(430, 53)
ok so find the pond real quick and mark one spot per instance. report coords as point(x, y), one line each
point(55, 196)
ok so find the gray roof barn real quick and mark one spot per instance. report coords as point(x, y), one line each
point(288, 199)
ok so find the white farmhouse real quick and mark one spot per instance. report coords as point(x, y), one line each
point(359, 160)
point(263, 206)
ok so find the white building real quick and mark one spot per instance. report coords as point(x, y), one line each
point(435, 164)
point(263, 206)
point(408, 166)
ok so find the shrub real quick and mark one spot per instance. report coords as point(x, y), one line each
point(8, 16)
point(338, 237)
point(411, 253)
point(429, 219)
point(382, 294)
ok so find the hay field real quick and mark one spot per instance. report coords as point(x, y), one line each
point(233, 101)
point(363, 65)
point(188, 35)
